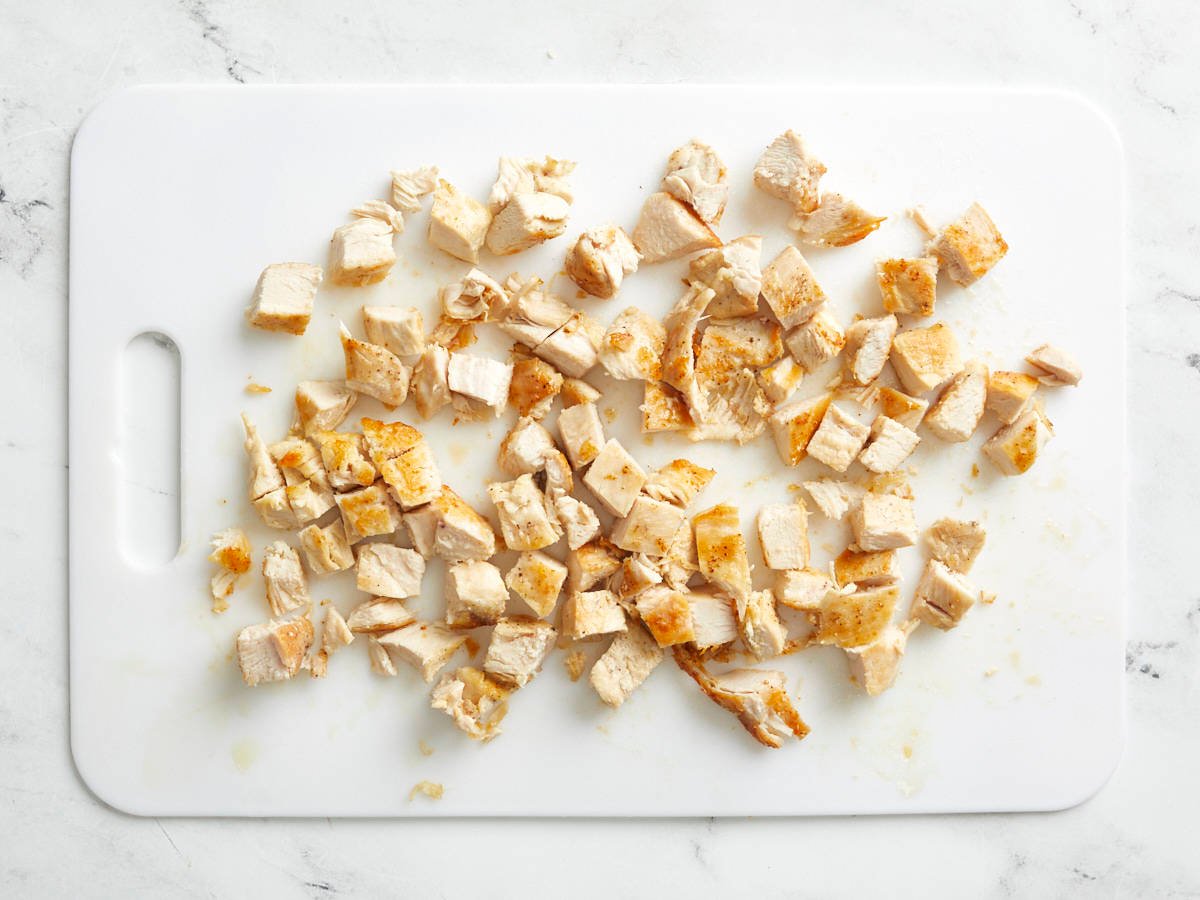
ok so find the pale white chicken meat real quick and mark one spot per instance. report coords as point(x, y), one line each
point(398, 329)
point(1055, 366)
point(381, 660)
point(410, 185)
point(524, 449)
point(537, 579)
point(679, 358)
point(600, 259)
point(1015, 447)
point(679, 482)
point(458, 223)
point(890, 444)
point(787, 170)
point(883, 522)
point(636, 574)
point(714, 619)
point(734, 273)
point(668, 229)
point(308, 502)
point(374, 370)
point(581, 433)
point(389, 571)
point(836, 222)
point(649, 527)
point(326, 549)
point(379, 615)
point(430, 381)
point(802, 589)
point(361, 252)
point(779, 380)
point(588, 614)
point(874, 666)
point(475, 594)
point(817, 341)
point(591, 564)
point(448, 527)
point(1009, 394)
point(956, 543)
point(969, 247)
point(762, 631)
point(335, 633)
point(783, 535)
point(615, 478)
point(521, 175)
point(476, 297)
point(426, 646)
point(287, 587)
point(926, 358)
point(525, 523)
point(368, 512)
point(474, 700)
point(480, 378)
point(265, 476)
point(838, 439)
point(274, 650)
point(956, 414)
point(681, 561)
point(633, 345)
point(697, 176)
point(275, 510)
point(528, 219)
point(322, 405)
point(794, 424)
point(943, 597)
point(381, 210)
point(834, 498)
point(578, 520)
point(908, 286)
point(628, 661)
point(868, 343)
point(573, 349)
point(284, 296)
point(231, 555)
point(721, 550)
point(518, 648)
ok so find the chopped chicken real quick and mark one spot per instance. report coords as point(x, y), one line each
point(615, 478)
point(265, 476)
point(906, 410)
point(308, 502)
point(679, 482)
point(524, 449)
point(1014, 448)
point(231, 552)
point(520, 175)
point(431, 789)
point(649, 527)
point(576, 391)
point(734, 274)
point(757, 697)
point(381, 660)
point(637, 574)
point(537, 579)
point(274, 650)
point(943, 597)
point(531, 314)
point(475, 594)
point(628, 661)
point(791, 289)
point(283, 298)
point(731, 407)
point(361, 253)
point(480, 378)
point(969, 247)
point(664, 409)
point(783, 535)
point(574, 349)
point(473, 298)
point(839, 439)
point(275, 509)
point(633, 345)
point(322, 405)
point(581, 432)
point(894, 483)
point(405, 461)
point(956, 543)
point(714, 619)
point(731, 344)
point(449, 528)
point(535, 383)
point(588, 614)
point(794, 425)
point(779, 380)
point(874, 666)
point(562, 336)
point(762, 632)
point(287, 588)
point(374, 371)
point(889, 445)
point(379, 615)
point(668, 229)
point(908, 286)
point(1057, 368)
point(426, 646)
point(591, 564)
point(381, 210)
point(528, 219)
point(344, 457)
point(474, 700)
point(787, 170)
point(679, 358)
point(1009, 393)
point(458, 223)
point(721, 550)
point(926, 358)
point(866, 569)
point(836, 222)
point(600, 259)
point(299, 462)
point(410, 185)
point(802, 589)
point(868, 342)
point(518, 648)
point(335, 633)
point(956, 414)
point(578, 520)
point(326, 549)
point(696, 176)
point(817, 341)
point(883, 522)
point(681, 561)
point(389, 571)
point(667, 614)
point(430, 382)
point(525, 523)
point(397, 329)
point(852, 618)
point(368, 512)
point(834, 498)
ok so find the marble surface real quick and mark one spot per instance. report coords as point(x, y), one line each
point(1137, 61)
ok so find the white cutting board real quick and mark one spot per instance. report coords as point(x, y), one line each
point(179, 197)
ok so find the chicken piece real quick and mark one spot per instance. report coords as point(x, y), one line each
point(335, 633)
point(326, 549)
point(274, 650)
point(524, 449)
point(527, 220)
point(794, 425)
point(636, 574)
point(721, 551)
point(476, 701)
point(573, 349)
point(581, 433)
point(600, 259)
point(874, 667)
point(866, 569)
point(368, 512)
point(783, 535)
point(969, 247)
point(397, 329)
point(679, 359)
point(381, 660)
point(943, 597)
point(562, 336)
point(663, 409)
point(956, 414)
point(668, 229)
point(1014, 448)
point(275, 510)
point(458, 223)
point(762, 632)
point(265, 476)
point(696, 176)
point(788, 170)
point(908, 286)
point(374, 371)
point(591, 564)
point(817, 341)
point(714, 619)
point(430, 383)
point(679, 482)
point(894, 484)
point(449, 528)
point(231, 553)
point(287, 588)
point(344, 456)
point(534, 385)
point(732, 344)
point(734, 274)
point(834, 498)
point(731, 406)
point(518, 648)
point(578, 520)
point(681, 561)
point(388, 571)
point(520, 175)
point(480, 378)
point(524, 520)
point(299, 462)
point(836, 222)
point(426, 646)
point(473, 298)
point(1009, 393)
point(537, 579)
point(1056, 367)
point(322, 405)
point(868, 342)
point(906, 410)
point(633, 346)
point(956, 543)
point(779, 380)
point(382, 211)
point(615, 478)
point(802, 589)
point(853, 618)
point(410, 185)
point(758, 698)
point(379, 615)
point(883, 522)
point(649, 527)
point(926, 358)
point(475, 594)
point(628, 661)
point(405, 461)
point(839, 439)
point(308, 503)
point(667, 614)
point(889, 445)
point(588, 614)
point(791, 289)
point(283, 298)
point(361, 253)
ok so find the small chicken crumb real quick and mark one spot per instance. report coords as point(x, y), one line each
point(574, 663)
point(254, 387)
point(431, 789)
point(424, 748)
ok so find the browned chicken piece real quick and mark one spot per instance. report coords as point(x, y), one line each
point(636, 574)
point(576, 391)
point(667, 614)
point(589, 614)
point(458, 224)
point(326, 549)
point(866, 568)
point(679, 359)
point(679, 482)
point(582, 433)
point(853, 618)
point(374, 371)
point(300, 462)
point(628, 661)
point(537, 579)
point(668, 229)
point(883, 522)
point(836, 222)
point(615, 478)
point(345, 459)
point(794, 425)
point(868, 343)
point(322, 405)
point(525, 523)
point(874, 666)
point(791, 289)
point(283, 298)
point(410, 185)
point(265, 477)
point(1014, 448)
point(779, 380)
point(591, 564)
point(762, 632)
point(287, 587)
point(817, 341)
point(361, 252)
point(231, 554)
point(899, 407)
point(426, 646)
point(535, 383)
point(926, 358)
point(1056, 367)
point(664, 409)
point(757, 697)
point(889, 445)
point(802, 589)
point(834, 498)
point(600, 259)
point(389, 571)
point(632, 347)
point(474, 700)
point(969, 247)
point(379, 615)
point(518, 648)
point(783, 535)
point(714, 619)
point(908, 286)
point(528, 219)
point(729, 345)
point(397, 329)
point(839, 439)
point(335, 633)
point(274, 650)
point(1009, 394)
point(943, 597)
point(649, 527)
point(956, 414)
point(734, 274)
point(956, 543)
point(367, 512)
point(405, 461)
point(696, 176)
point(721, 551)
point(788, 170)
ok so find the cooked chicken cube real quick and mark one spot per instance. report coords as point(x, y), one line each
point(762, 632)
point(615, 478)
point(299, 462)
point(783, 535)
point(834, 498)
point(322, 405)
point(344, 456)
point(787, 170)
point(779, 380)
point(524, 449)
point(839, 439)
point(231, 553)
point(1009, 393)
point(956, 414)
point(729, 405)
point(600, 259)
point(449, 528)
point(791, 289)
point(430, 382)
point(287, 588)
point(588, 614)
point(537, 579)
point(574, 349)
point(521, 175)
point(696, 176)
point(817, 341)
point(906, 410)
point(426, 646)
point(381, 660)
point(275, 510)
point(410, 185)
point(714, 619)
point(581, 433)
point(908, 286)
point(721, 550)
point(668, 229)
point(667, 614)
point(926, 358)
point(274, 650)
point(397, 329)
point(374, 371)
point(794, 425)
point(458, 223)
point(531, 314)
point(361, 253)
point(679, 358)
point(388, 441)
point(378, 616)
point(969, 247)
point(576, 391)
point(679, 482)
point(405, 461)
point(628, 661)
point(637, 573)
point(1014, 448)
point(480, 378)
point(535, 383)
point(663, 409)
point(265, 476)
point(868, 342)
point(734, 274)
point(335, 633)
point(518, 648)
point(802, 589)
point(382, 211)
point(308, 502)
point(681, 561)
point(632, 347)
point(1057, 368)
point(874, 667)
point(649, 527)
point(730, 345)
point(475, 594)
point(476, 297)
point(368, 512)
point(591, 564)
point(326, 549)
point(475, 700)
point(524, 520)
point(890, 444)
point(883, 522)
point(854, 618)
point(389, 571)
point(283, 298)
point(943, 597)
point(866, 569)
point(578, 520)
point(527, 220)
point(836, 222)
point(956, 543)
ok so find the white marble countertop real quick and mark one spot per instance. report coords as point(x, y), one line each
point(1138, 62)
